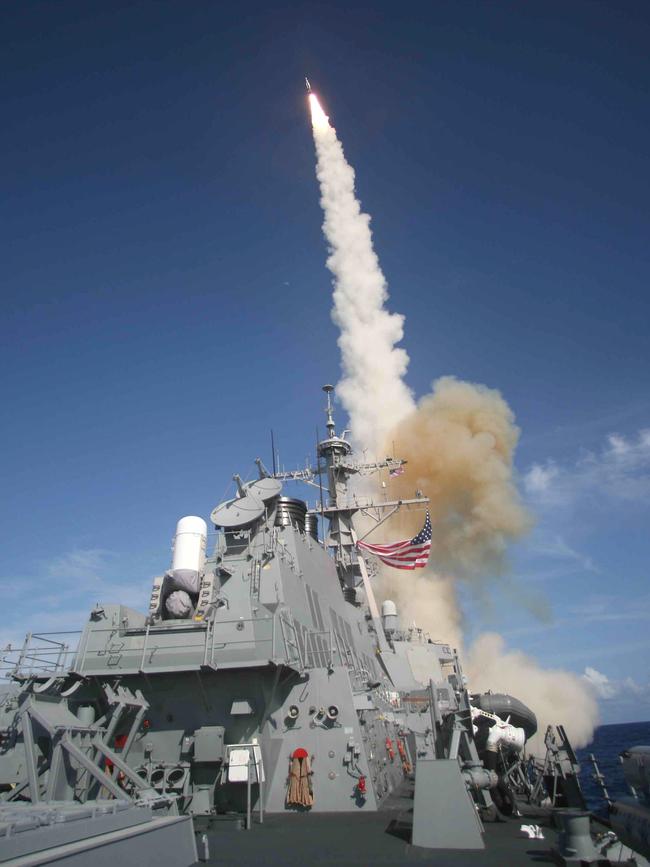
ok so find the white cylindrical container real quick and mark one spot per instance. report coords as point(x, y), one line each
point(506, 736)
point(389, 615)
point(86, 714)
point(188, 558)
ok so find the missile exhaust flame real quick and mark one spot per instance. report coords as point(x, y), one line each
point(319, 119)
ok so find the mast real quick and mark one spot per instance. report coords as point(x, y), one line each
point(340, 537)
point(336, 463)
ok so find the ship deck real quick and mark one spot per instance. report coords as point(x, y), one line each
point(380, 838)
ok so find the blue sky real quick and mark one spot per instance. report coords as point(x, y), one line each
point(166, 302)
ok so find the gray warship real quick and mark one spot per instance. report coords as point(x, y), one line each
point(267, 708)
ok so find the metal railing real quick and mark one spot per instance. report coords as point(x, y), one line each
point(43, 654)
point(275, 637)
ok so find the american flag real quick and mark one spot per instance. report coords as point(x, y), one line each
point(408, 554)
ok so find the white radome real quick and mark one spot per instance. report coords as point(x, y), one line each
point(188, 557)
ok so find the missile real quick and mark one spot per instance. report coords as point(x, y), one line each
point(307, 85)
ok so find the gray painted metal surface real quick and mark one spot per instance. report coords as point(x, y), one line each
point(105, 834)
point(281, 667)
point(443, 815)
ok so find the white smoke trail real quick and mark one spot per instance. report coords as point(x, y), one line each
point(459, 442)
point(372, 363)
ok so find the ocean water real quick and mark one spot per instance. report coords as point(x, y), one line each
point(608, 743)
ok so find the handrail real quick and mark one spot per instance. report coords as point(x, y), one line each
point(41, 654)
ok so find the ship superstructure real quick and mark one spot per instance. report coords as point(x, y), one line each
point(263, 679)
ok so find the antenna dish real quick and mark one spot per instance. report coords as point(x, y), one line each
point(264, 489)
point(238, 512)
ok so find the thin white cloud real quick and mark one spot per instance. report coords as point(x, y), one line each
point(555, 547)
point(574, 434)
point(607, 689)
point(66, 589)
point(599, 683)
point(593, 609)
point(539, 477)
point(618, 445)
point(631, 686)
point(85, 564)
point(605, 608)
point(620, 470)
point(604, 651)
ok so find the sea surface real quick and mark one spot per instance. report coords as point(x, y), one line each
point(608, 743)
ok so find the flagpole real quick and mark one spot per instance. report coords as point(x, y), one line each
point(372, 604)
point(397, 506)
point(379, 523)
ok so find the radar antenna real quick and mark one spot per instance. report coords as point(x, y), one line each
point(331, 430)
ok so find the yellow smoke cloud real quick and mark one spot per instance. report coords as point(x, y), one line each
point(556, 696)
point(459, 443)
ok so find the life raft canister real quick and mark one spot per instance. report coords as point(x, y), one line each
point(406, 765)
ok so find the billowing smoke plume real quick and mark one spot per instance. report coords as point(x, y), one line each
point(372, 364)
point(459, 442)
point(555, 696)
point(427, 600)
